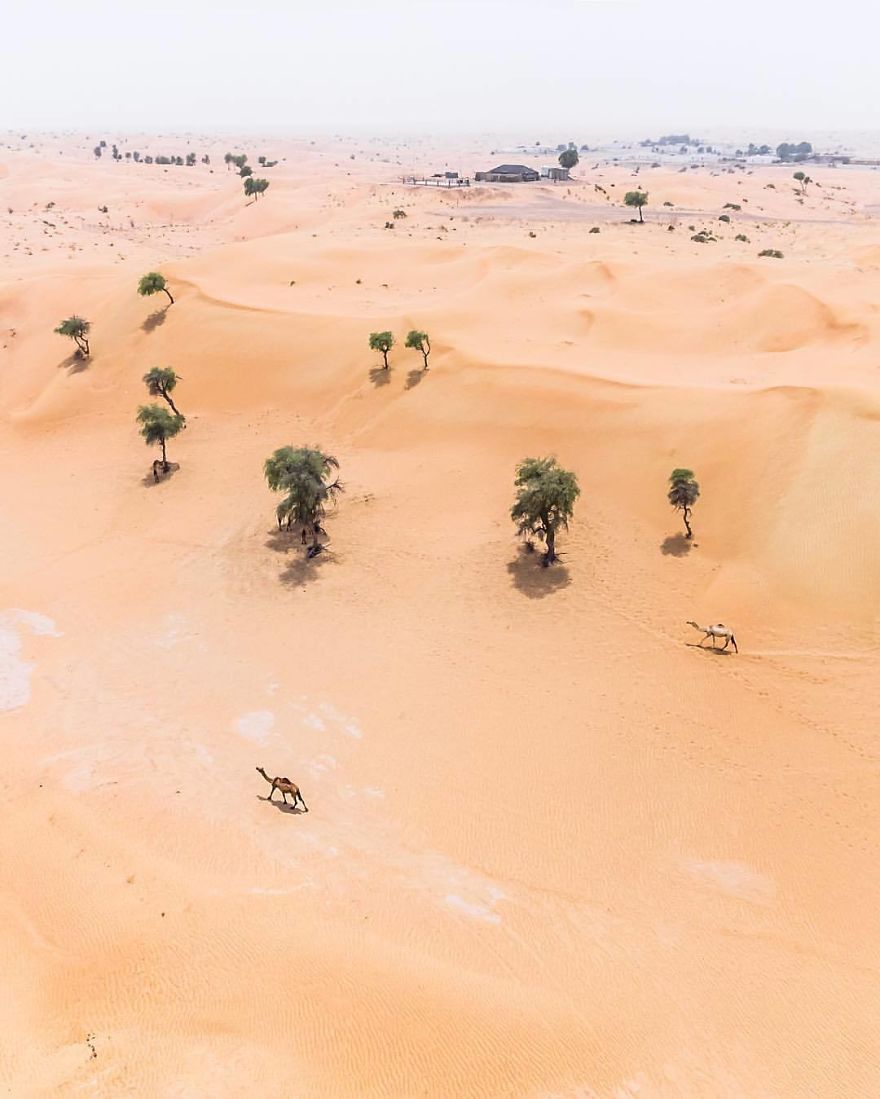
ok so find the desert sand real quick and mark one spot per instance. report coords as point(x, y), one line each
point(553, 849)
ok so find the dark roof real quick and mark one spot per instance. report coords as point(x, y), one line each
point(511, 170)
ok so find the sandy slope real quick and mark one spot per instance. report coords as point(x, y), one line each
point(553, 850)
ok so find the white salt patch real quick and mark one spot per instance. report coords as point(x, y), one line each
point(256, 726)
point(314, 722)
point(15, 673)
point(468, 908)
point(321, 765)
point(374, 792)
point(349, 726)
point(735, 878)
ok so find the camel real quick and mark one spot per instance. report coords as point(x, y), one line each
point(718, 630)
point(286, 787)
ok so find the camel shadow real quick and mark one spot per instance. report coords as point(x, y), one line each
point(154, 320)
point(676, 545)
point(149, 481)
point(379, 376)
point(709, 649)
point(413, 378)
point(284, 806)
point(531, 578)
point(75, 363)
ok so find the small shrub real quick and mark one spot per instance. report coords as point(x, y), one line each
point(595, 229)
point(731, 206)
point(742, 237)
point(724, 217)
point(773, 253)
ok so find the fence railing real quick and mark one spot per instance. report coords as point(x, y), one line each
point(435, 181)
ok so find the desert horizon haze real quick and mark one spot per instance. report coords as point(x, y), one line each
point(440, 66)
point(440, 613)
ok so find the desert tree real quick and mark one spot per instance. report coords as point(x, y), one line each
point(76, 329)
point(309, 480)
point(255, 187)
point(683, 494)
point(419, 341)
point(160, 381)
point(227, 157)
point(636, 199)
point(544, 504)
point(158, 425)
point(568, 158)
point(803, 179)
point(382, 341)
point(154, 283)
point(245, 170)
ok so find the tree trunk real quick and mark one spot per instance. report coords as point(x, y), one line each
point(686, 512)
point(426, 351)
point(164, 458)
point(385, 357)
point(550, 555)
point(168, 292)
point(174, 408)
point(641, 219)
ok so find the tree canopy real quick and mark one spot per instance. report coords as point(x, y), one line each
point(254, 186)
point(307, 478)
point(683, 494)
point(568, 158)
point(638, 199)
point(160, 381)
point(158, 425)
point(382, 341)
point(419, 341)
point(77, 329)
point(545, 499)
point(154, 283)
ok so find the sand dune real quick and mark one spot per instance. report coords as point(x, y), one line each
point(553, 849)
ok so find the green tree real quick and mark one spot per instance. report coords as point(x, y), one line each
point(568, 158)
point(158, 425)
point(227, 157)
point(76, 329)
point(638, 199)
point(544, 504)
point(803, 179)
point(160, 381)
point(308, 478)
point(153, 283)
point(255, 187)
point(683, 494)
point(419, 341)
point(245, 170)
point(382, 341)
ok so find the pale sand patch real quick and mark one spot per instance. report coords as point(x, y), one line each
point(15, 673)
point(256, 726)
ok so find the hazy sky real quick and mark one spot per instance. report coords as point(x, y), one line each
point(535, 67)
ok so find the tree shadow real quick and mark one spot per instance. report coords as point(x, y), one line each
point(154, 320)
point(284, 806)
point(676, 545)
point(299, 569)
point(149, 481)
point(75, 363)
point(413, 378)
point(379, 376)
point(531, 578)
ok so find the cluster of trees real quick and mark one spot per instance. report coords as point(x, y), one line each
point(787, 151)
point(189, 160)
point(252, 186)
point(416, 340)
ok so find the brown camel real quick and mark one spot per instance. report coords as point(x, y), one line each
point(286, 787)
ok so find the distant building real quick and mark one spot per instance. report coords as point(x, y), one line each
point(508, 173)
point(555, 173)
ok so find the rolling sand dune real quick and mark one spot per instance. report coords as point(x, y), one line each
point(553, 849)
